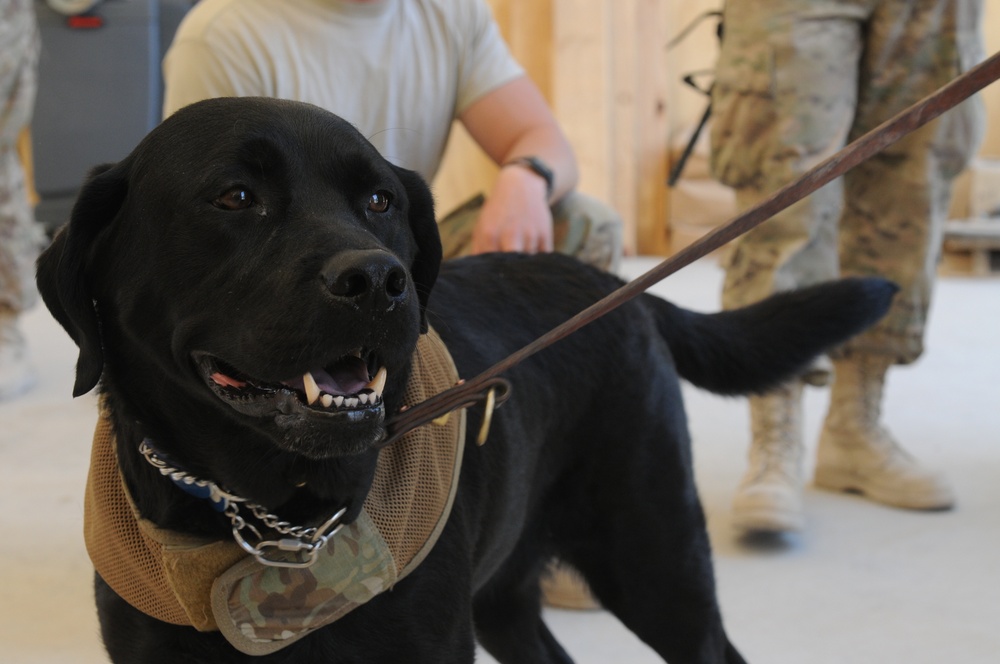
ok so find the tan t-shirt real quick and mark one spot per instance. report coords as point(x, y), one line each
point(399, 70)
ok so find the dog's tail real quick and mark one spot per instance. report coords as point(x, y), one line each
point(755, 348)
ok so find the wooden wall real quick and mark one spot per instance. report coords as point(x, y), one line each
point(991, 95)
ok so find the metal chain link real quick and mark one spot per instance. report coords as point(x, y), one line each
point(308, 540)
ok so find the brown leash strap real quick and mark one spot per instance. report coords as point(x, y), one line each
point(477, 389)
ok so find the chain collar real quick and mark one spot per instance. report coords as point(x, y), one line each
point(300, 546)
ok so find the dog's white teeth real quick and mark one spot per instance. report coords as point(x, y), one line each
point(377, 383)
point(356, 353)
point(312, 389)
point(371, 394)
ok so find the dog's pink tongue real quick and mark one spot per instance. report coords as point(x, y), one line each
point(227, 381)
point(348, 376)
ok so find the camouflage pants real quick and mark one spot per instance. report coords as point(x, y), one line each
point(583, 227)
point(798, 79)
point(20, 237)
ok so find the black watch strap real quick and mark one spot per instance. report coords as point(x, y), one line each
point(539, 168)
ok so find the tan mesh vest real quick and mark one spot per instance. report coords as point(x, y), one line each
point(215, 585)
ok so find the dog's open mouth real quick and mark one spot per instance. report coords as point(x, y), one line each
point(351, 383)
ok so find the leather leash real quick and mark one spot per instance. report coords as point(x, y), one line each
point(489, 386)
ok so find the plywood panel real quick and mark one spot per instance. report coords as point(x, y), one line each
point(625, 110)
point(651, 84)
point(991, 95)
point(582, 88)
point(610, 97)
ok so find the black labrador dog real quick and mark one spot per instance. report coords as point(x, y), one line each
point(246, 242)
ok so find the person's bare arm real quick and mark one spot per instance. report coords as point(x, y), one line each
point(509, 122)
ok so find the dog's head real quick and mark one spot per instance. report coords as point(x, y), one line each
point(255, 258)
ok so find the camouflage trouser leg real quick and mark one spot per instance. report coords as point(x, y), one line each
point(897, 202)
point(20, 237)
point(798, 78)
point(895, 231)
point(796, 247)
point(583, 227)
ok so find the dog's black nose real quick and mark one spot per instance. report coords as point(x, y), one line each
point(361, 275)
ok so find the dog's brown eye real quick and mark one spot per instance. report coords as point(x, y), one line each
point(379, 202)
point(236, 198)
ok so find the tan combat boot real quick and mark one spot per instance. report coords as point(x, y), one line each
point(857, 454)
point(769, 498)
point(565, 588)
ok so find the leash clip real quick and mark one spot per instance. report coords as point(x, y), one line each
point(284, 552)
point(285, 545)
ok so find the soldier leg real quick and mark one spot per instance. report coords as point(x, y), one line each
point(896, 206)
point(20, 237)
point(783, 100)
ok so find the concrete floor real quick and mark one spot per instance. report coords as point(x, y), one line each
point(864, 584)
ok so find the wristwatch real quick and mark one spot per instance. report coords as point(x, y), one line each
point(540, 169)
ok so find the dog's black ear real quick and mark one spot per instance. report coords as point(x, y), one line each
point(62, 275)
point(423, 225)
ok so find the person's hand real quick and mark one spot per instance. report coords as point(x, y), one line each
point(515, 216)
